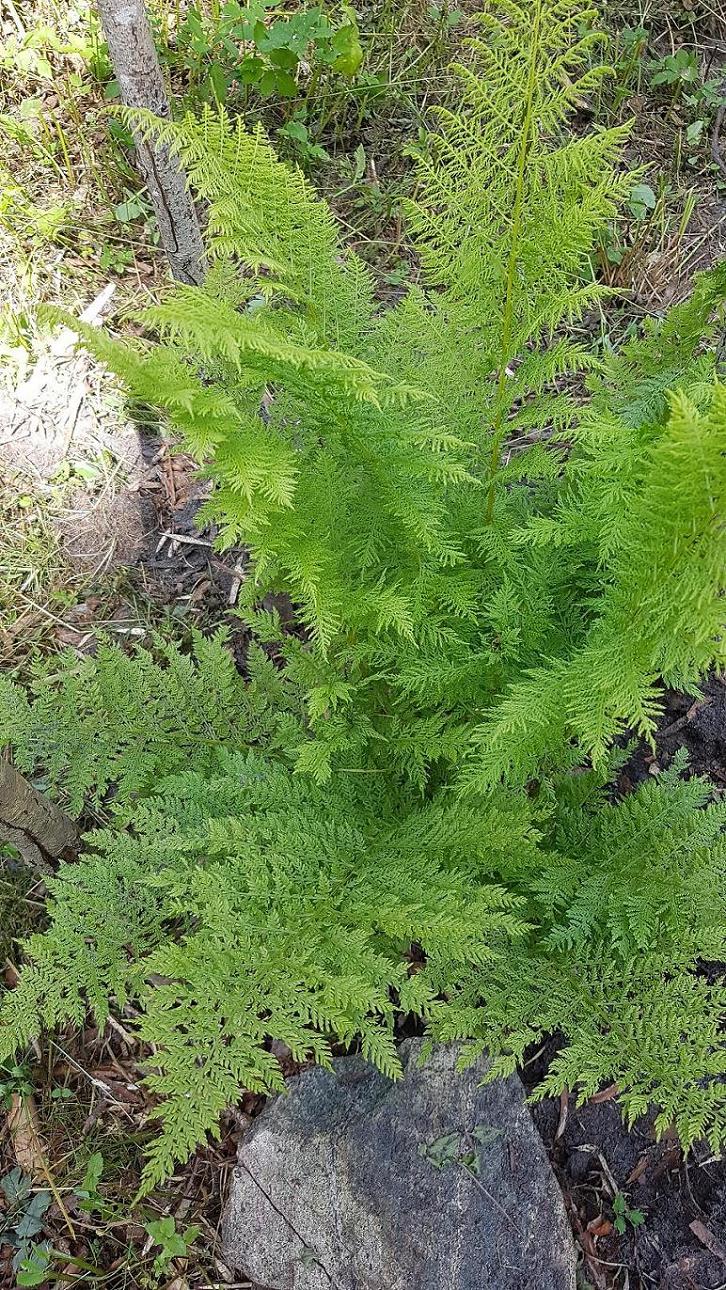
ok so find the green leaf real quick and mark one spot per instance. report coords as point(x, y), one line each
point(694, 132)
point(218, 83)
point(348, 50)
point(295, 33)
point(295, 130)
point(442, 1152)
point(285, 59)
point(250, 70)
point(278, 82)
point(16, 1185)
point(161, 1229)
point(642, 200)
point(126, 212)
point(486, 1134)
point(33, 1268)
point(31, 1221)
point(359, 157)
point(92, 1176)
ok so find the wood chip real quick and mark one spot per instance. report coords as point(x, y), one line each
point(639, 1170)
point(605, 1095)
point(22, 1123)
point(599, 1227)
point(564, 1112)
point(707, 1238)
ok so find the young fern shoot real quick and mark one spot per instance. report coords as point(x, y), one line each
point(529, 198)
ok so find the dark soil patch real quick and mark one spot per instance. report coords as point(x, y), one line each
point(181, 567)
point(682, 1199)
point(695, 723)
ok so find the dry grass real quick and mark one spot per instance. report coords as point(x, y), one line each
point(62, 172)
point(686, 231)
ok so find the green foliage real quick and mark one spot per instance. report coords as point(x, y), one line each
point(239, 48)
point(499, 549)
point(20, 1223)
point(15, 1081)
point(624, 1214)
point(679, 76)
point(449, 594)
point(238, 903)
point(630, 46)
point(154, 717)
point(174, 1245)
point(235, 903)
point(675, 70)
point(627, 902)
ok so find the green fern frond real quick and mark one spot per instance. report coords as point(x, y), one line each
point(264, 213)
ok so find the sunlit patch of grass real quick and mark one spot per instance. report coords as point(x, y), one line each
point(64, 172)
point(33, 576)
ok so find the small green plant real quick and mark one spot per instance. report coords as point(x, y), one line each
point(625, 1216)
point(174, 1244)
point(115, 259)
point(242, 48)
point(700, 100)
point(620, 243)
point(442, 1152)
point(28, 53)
point(459, 1148)
point(703, 102)
point(35, 1266)
point(136, 207)
point(15, 1081)
point(303, 145)
point(89, 1198)
point(20, 1223)
point(675, 71)
point(641, 201)
point(628, 54)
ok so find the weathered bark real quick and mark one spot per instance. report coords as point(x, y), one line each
point(131, 49)
point(40, 830)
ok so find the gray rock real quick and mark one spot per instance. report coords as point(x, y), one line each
point(352, 1182)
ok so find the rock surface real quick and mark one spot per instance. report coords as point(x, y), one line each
point(352, 1182)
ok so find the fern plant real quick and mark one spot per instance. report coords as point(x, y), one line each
point(501, 547)
point(452, 592)
point(626, 903)
point(232, 903)
point(357, 452)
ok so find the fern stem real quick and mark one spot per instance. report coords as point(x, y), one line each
point(517, 213)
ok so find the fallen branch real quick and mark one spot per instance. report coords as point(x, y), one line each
point(40, 830)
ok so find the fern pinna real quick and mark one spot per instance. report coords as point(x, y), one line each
point(501, 545)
